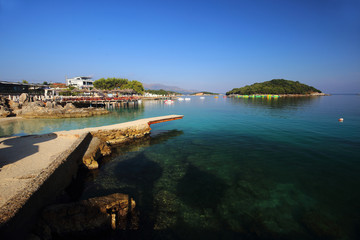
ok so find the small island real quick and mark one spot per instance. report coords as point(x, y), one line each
point(204, 94)
point(280, 87)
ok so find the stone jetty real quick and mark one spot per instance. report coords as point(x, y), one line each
point(35, 169)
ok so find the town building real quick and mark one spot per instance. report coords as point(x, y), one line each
point(80, 82)
point(10, 88)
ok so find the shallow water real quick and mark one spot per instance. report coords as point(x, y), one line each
point(237, 168)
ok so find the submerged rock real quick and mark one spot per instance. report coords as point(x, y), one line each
point(322, 226)
point(115, 211)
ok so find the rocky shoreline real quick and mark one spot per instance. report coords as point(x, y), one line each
point(38, 109)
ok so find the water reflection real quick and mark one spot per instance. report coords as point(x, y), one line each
point(276, 103)
point(104, 177)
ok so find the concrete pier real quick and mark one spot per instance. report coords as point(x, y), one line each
point(35, 169)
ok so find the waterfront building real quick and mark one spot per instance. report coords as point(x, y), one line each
point(80, 82)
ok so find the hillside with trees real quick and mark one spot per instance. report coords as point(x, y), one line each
point(204, 93)
point(275, 86)
point(162, 92)
point(118, 83)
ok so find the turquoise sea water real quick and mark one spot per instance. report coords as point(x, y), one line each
point(235, 168)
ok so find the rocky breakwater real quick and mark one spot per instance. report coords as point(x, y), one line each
point(103, 140)
point(53, 110)
point(38, 109)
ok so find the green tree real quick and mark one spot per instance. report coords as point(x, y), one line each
point(135, 85)
point(24, 81)
point(110, 83)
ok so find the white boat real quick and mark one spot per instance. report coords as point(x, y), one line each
point(180, 99)
point(169, 102)
point(187, 99)
point(202, 97)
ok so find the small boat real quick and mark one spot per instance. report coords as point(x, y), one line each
point(202, 97)
point(169, 102)
point(216, 97)
point(187, 99)
point(180, 99)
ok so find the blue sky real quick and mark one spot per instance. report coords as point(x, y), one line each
point(203, 45)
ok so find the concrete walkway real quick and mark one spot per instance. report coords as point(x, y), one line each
point(27, 162)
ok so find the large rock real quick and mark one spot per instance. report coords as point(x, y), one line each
point(69, 106)
point(115, 211)
point(24, 98)
point(93, 153)
point(4, 112)
point(5, 109)
point(14, 105)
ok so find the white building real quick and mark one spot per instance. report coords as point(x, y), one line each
point(80, 82)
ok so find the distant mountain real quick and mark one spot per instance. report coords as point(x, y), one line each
point(158, 86)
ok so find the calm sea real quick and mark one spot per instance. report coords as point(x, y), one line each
point(235, 168)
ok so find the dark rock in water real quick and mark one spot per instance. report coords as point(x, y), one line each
point(322, 226)
point(95, 215)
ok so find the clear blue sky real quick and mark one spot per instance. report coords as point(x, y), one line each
point(204, 45)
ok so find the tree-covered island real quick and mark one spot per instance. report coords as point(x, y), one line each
point(276, 86)
point(204, 93)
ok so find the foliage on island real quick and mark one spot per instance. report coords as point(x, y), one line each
point(205, 93)
point(275, 86)
point(162, 92)
point(118, 83)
